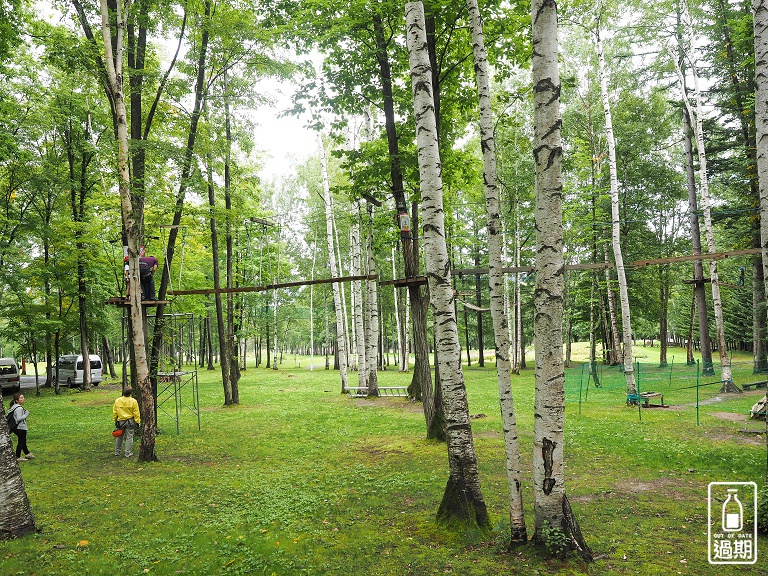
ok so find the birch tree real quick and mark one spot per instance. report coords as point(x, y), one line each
point(16, 517)
point(626, 324)
point(224, 359)
point(463, 499)
point(698, 131)
point(553, 517)
point(357, 303)
point(340, 332)
point(760, 15)
point(114, 68)
point(372, 316)
point(496, 277)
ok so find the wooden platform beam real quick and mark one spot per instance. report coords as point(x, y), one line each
point(239, 289)
point(531, 269)
point(114, 301)
point(415, 281)
point(703, 256)
point(708, 280)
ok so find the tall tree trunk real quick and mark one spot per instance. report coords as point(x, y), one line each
point(223, 344)
point(496, 278)
point(614, 342)
point(551, 508)
point(759, 351)
point(78, 161)
point(760, 19)
point(421, 382)
point(592, 332)
point(722, 347)
point(372, 316)
point(518, 347)
point(357, 299)
point(233, 362)
point(275, 304)
point(108, 357)
point(114, 68)
point(700, 292)
point(626, 323)
point(340, 336)
point(663, 315)
point(479, 303)
point(184, 179)
point(689, 348)
point(209, 340)
point(463, 499)
point(400, 326)
point(312, 310)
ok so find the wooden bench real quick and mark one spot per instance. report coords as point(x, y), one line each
point(362, 391)
point(645, 399)
point(762, 384)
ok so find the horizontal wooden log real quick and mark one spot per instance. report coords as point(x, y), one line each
point(415, 281)
point(531, 269)
point(691, 257)
point(239, 289)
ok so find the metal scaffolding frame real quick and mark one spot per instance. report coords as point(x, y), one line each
point(176, 377)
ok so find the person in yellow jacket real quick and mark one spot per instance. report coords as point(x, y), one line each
point(125, 413)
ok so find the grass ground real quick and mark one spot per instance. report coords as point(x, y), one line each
point(299, 479)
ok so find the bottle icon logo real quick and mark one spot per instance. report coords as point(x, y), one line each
point(732, 524)
point(733, 512)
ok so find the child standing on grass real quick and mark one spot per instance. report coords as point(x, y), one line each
point(125, 413)
point(20, 415)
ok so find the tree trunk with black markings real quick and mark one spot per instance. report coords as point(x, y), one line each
point(553, 515)
point(463, 501)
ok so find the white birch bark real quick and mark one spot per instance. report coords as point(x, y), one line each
point(274, 307)
point(398, 324)
point(372, 317)
point(626, 323)
point(616, 354)
point(507, 299)
point(548, 337)
point(340, 332)
point(496, 278)
point(16, 518)
point(357, 305)
point(463, 499)
point(311, 311)
point(114, 69)
point(551, 507)
point(698, 131)
point(406, 364)
point(342, 285)
point(760, 19)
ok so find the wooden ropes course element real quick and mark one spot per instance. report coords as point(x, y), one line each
point(116, 301)
point(703, 256)
point(530, 269)
point(205, 291)
point(420, 280)
point(415, 281)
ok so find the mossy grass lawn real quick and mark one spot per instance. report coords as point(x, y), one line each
point(300, 479)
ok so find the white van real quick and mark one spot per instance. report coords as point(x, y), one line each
point(9, 375)
point(70, 368)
